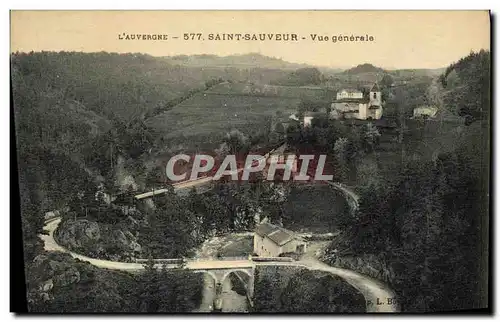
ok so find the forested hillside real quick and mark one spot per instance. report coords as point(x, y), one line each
point(77, 115)
point(466, 86)
point(58, 283)
point(427, 224)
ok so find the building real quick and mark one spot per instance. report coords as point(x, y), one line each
point(425, 111)
point(352, 104)
point(309, 116)
point(271, 241)
point(308, 120)
point(349, 93)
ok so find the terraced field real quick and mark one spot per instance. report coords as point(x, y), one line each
point(207, 114)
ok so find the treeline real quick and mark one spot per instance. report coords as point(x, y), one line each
point(301, 77)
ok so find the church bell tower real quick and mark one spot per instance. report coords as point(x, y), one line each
point(375, 96)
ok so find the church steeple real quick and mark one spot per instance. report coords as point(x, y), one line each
point(375, 88)
point(375, 96)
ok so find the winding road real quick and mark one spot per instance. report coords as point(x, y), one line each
point(375, 292)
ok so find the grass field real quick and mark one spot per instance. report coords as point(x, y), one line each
point(208, 114)
point(302, 92)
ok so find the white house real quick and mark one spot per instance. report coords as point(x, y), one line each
point(351, 104)
point(349, 93)
point(271, 241)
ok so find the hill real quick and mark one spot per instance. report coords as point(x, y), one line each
point(77, 114)
point(364, 68)
point(251, 60)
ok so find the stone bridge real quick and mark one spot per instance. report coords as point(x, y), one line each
point(243, 268)
point(245, 275)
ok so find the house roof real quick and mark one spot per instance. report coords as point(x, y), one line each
point(375, 88)
point(278, 235)
point(264, 229)
point(313, 114)
point(350, 90)
point(352, 100)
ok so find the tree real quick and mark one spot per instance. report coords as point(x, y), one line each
point(371, 136)
point(386, 81)
point(264, 298)
point(236, 141)
point(340, 150)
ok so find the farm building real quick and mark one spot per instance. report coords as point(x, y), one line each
point(271, 241)
point(309, 116)
point(425, 111)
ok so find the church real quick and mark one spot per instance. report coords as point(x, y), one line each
point(352, 104)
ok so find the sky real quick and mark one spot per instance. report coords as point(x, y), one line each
point(401, 39)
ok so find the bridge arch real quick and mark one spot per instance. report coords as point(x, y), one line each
point(212, 275)
point(245, 271)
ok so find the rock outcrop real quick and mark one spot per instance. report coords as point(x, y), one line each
point(114, 242)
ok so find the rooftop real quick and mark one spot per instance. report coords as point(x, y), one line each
point(375, 88)
point(352, 100)
point(314, 114)
point(350, 90)
point(279, 235)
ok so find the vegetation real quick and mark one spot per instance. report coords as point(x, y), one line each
point(302, 77)
point(318, 209)
point(304, 291)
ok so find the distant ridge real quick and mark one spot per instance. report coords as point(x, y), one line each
point(241, 61)
point(364, 68)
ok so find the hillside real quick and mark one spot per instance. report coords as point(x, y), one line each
point(250, 60)
point(80, 119)
point(431, 242)
point(465, 86)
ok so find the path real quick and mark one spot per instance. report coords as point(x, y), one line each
point(180, 186)
point(369, 287)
